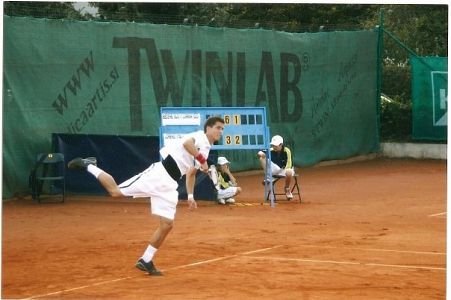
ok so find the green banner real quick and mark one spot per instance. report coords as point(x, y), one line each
point(62, 76)
point(429, 97)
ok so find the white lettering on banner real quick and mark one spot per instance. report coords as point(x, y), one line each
point(443, 99)
point(180, 119)
point(440, 99)
point(443, 121)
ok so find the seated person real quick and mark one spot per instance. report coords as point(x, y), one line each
point(281, 163)
point(226, 182)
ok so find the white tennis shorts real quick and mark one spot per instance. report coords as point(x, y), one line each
point(227, 193)
point(156, 183)
point(278, 171)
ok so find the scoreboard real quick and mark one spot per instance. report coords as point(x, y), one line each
point(244, 128)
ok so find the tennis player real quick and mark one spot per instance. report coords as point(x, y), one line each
point(159, 181)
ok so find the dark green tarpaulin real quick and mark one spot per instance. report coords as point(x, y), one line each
point(62, 76)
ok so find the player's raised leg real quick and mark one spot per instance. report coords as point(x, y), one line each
point(90, 164)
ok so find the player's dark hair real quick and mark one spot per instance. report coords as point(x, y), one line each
point(212, 121)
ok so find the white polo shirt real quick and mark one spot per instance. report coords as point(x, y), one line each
point(183, 159)
point(155, 181)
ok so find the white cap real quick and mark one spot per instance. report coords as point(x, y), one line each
point(222, 160)
point(276, 140)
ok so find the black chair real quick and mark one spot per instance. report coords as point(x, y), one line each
point(48, 177)
point(295, 190)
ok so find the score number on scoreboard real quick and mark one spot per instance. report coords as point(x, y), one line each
point(232, 120)
point(242, 130)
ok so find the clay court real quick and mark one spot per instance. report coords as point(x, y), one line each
point(374, 229)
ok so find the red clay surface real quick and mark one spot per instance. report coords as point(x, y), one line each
point(365, 230)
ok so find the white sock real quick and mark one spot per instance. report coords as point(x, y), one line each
point(94, 170)
point(149, 253)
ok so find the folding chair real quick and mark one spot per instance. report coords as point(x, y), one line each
point(295, 190)
point(48, 176)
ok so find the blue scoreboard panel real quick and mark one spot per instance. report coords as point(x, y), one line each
point(245, 127)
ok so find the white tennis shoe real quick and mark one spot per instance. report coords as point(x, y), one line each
point(230, 200)
point(288, 193)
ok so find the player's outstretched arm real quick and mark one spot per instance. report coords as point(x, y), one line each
point(190, 181)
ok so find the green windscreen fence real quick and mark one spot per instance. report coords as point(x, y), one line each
point(319, 89)
point(429, 97)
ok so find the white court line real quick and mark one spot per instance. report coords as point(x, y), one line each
point(129, 277)
point(374, 249)
point(261, 250)
point(223, 258)
point(79, 287)
point(202, 262)
point(439, 214)
point(345, 263)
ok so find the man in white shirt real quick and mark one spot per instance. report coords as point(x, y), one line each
point(159, 181)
